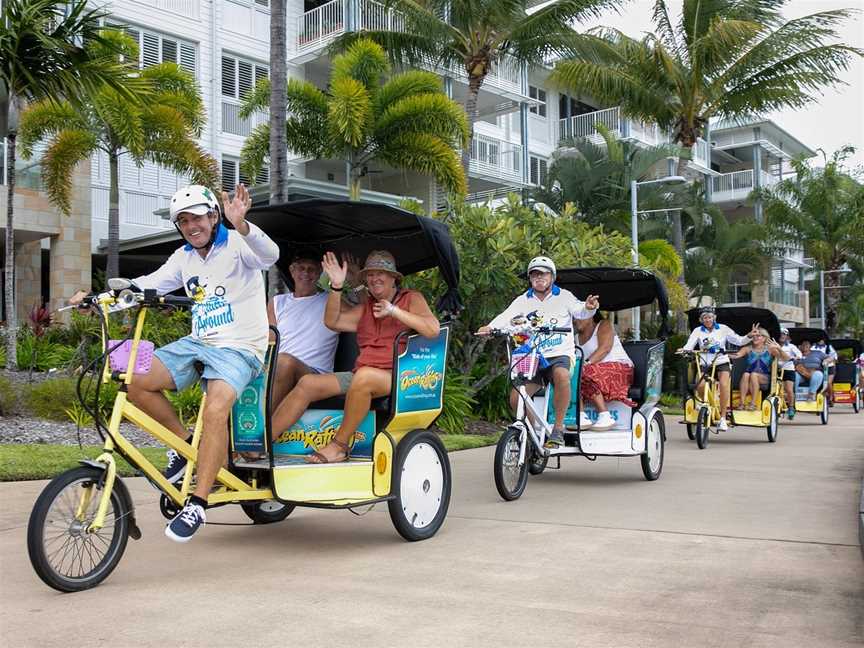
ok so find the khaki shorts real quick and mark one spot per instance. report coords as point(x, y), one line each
point(344, 378)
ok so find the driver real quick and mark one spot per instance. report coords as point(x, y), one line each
point(711, 338)
point(790, 376)
point(229, 331)
point(558, 307)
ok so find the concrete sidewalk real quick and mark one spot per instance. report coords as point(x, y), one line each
point(743, 544)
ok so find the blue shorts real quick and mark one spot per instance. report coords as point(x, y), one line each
point(237, 368)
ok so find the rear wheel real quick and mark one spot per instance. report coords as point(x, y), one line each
point(267, 512)
point(691, 431)
point(856, 404)
point(702, 427)
point(823, 415)
point(64, 553)
point(652, 460)
point(771, 428)
point(421, 485)
point(510, 477)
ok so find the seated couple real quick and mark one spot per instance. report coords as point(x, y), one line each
point(309, 324)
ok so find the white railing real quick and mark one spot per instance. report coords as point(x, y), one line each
point(317, 27)
point(3, 169)
point(232, 123)
point(701, 153)
point(374, 16)
point(136, 207)
point(188, 8)
point(496, 159)
point(738, 184)
point(586, 126)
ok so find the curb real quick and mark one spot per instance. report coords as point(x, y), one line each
point(861, 519)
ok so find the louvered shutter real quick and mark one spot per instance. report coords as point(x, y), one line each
point(263, 176)
point(261, 72)
point(229, 77)
point(188, 59)
point(150, 50)
point(244, 78)
point(169, 50)
point(229, 174)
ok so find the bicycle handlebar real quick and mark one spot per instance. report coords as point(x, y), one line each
point(504, 332)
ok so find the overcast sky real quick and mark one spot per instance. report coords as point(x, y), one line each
point(836, 119)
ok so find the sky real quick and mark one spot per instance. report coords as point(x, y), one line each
point(835, 119)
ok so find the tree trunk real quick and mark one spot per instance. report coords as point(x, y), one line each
point(278, 86)
point(474, 83)
point(11, 315)
point(112, 268)
point(833, 295)
point(678, 242)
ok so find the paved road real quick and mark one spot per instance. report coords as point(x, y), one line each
point(743, 544)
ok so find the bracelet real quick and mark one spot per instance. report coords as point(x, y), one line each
point(391, 308)
point(335, 289)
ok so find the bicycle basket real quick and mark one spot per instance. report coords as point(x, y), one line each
point(524, 364)
point(119, 357)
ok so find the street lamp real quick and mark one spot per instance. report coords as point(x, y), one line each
point(634, 230)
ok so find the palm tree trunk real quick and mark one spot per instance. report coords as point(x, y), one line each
point(278, 86)
point(113, 265)
point(474, 83)
point(11, 315)
point(678, 242)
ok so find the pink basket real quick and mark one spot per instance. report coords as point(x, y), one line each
point(525, 364)
point(119, 358)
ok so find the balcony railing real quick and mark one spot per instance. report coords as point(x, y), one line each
point(737, 185)
point(740, 293)
point(232, 123)
point(495, 159)
point(319, 26)
point(586, 126)
point(701, 154)
point(3, 169)
point(784, 295)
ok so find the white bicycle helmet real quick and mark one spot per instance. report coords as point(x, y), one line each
point(194, 199)
point(542, 263)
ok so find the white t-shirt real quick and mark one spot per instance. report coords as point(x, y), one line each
point(302, 333)
point(793, 352)
point(616, 353)
point(713, 342)
point(560, 305)
point(234, 311)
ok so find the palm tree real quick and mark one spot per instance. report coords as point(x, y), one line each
point(478, 35)
point(596, 179)
point(406, 122)
point(42, 56)
point(278, 153)
point(823, 210)
point(161, 130)
point(722, 58)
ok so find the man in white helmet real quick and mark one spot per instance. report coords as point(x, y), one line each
point(558, 307)
point(229, 330)
point(790, 376)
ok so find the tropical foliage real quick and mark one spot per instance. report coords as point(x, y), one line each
point(822, 210)
point(161, 128)
point(405, 121)
point(42, 55)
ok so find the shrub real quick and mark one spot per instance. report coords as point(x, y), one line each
point(186, 403)
point(8, 397)
point(52, 398)
point(670, 400)
point(458, 403)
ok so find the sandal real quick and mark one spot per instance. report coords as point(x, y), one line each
point(318, 458)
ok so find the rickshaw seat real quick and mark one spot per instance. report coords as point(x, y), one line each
point(638, 353)
point(346, 355)
point(846, 372)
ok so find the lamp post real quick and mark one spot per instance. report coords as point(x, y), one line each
point(634, 231)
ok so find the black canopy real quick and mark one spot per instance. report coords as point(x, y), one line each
point(417, 242)
point(847, 343)
point(741, 319)
point(812, 335)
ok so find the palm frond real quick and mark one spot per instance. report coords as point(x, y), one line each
point(44, 119)
point(122, 118)
point(363, 61)
point(349, 111)
point(428, 155)
point(402, 85)
point(434, 114)
point(258, 99)
point(256, 150)
point(67, 149)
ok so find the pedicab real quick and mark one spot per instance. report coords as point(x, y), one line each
point(702, 412)
point(639, 431)
point(81, 521)
point(847, 376)
point(819, 405)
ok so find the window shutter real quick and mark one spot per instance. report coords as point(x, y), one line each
point(542, 174)
point(187, 58)
point(169, 51)
point(229, 77)
point(261, 72)
point(150, 50)
point(229, 174)
point(263, 176)
point(244, 77)
point(263, 3)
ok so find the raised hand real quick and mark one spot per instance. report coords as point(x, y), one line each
point(335, 271)
point(754, 330)
point(236, 208)
point(353, 275)
point(592, 302)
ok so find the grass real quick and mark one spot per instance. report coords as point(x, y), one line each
point(19, 462)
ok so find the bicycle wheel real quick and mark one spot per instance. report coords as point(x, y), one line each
point(267, 512)
point(510, 477)
point(772, 428)
point(702, 428)
point(64, 554)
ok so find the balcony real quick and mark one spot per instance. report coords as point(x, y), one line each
point(233, 124)
point(495, 160)
point(586, 126)
point(736, 186)
point(318, 27)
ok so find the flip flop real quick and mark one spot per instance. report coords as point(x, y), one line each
point(321, 459)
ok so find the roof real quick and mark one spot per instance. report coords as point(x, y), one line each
point(741, 319)
point(768, 128)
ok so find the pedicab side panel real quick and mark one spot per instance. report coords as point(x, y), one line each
point(846, 376)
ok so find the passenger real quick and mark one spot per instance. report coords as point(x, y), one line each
point(811, 366)
point(757, 375)
point(305, 344)
point(387, 311)
point(824, 346)
point(229, 331)
point(555, 305)
point(712, 338)
point(607, 370)
point(790, 377)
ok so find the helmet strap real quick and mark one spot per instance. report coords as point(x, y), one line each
point(213, 233)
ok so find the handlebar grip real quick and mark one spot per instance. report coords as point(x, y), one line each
point(561, 329)
point(173, 300)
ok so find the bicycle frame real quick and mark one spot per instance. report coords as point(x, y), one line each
point(709, 385)
point(232, 489)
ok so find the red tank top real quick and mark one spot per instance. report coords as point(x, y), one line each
point(375, 337)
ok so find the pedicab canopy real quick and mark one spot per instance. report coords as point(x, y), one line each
point(799, 334)
point(617, 288)
point(357, 227)
point(842, 344)
point(741, 319)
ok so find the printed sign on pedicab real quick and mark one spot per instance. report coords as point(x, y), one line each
point(420, 382)
point(316, 428)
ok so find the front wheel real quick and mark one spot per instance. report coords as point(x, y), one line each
point(652, 460)
point(421, 485)
point(267, 512)
point(510, 476)
point(856, 404)
point(771, 429)
point(823, 415)
point(65, 554)
point(702, 427)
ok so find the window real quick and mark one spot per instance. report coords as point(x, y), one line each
point(232, 174)
point(154, 48)
point(540, 95)
point(537, 170)
point(239, 77)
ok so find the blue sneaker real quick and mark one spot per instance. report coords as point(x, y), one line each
point(791, 413)
point(186, 523)
point(176, 466)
